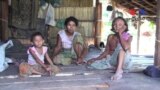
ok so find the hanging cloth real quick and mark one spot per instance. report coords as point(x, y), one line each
point(50, 19)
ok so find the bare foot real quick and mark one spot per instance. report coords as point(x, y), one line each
point(117, 75)
point(80, 61)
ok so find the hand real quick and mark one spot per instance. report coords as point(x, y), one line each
point(120, 31)
point(91, 61)
point(48, 69)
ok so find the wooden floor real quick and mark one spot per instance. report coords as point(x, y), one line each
point(79, 77)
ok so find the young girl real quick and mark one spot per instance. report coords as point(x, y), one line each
point(117, 50)
point(36, 55)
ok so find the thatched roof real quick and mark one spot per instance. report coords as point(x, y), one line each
point(148, 5)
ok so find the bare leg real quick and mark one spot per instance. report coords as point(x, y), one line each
point(78, 48)
point(120, 60)
point(36, 72)
point(119, 70)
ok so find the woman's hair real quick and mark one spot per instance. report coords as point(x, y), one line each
point(36, 34)
point(71, 18)
point(125, 23)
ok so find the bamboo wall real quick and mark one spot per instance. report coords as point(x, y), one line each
point(85, 15)
point(81, 13)
point(84, 11)
point(75, 3)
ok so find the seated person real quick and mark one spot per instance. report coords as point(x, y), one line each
point(36, 55)
point(117, 50)
point(70, 44)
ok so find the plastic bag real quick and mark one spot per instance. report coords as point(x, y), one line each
point(3, 62)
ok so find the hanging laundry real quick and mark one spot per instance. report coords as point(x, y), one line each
point(43, 11)
point(50, 19)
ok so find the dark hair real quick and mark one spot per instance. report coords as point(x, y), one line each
point(71, 18)
point(125, 23)
point(36, 34)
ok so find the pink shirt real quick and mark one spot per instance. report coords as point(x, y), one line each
point(125, 36)
point(31, 59)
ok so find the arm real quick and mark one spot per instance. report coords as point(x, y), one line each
point(85, 50)
point(37, 59)
point(48, 59)
point(104, 54)
point(126, 44)
point(58, 46)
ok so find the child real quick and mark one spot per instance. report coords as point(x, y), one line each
point(36, 55)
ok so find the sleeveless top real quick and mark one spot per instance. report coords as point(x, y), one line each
point(31, 59)
point(67, 41)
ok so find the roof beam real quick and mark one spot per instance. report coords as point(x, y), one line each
point(129, 3)
point(124, 3)
point(149, 3)
point(143, 6)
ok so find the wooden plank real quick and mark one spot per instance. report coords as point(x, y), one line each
point(4, 19)
point(138, 37)
point(143, 6)
point(54, 83)
point(98, 23)
point(129, 3)
point(150, 4)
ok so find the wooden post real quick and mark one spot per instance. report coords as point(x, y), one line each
point(3, 19)
point(138, 37)
point(98, 23)
point(157, 44)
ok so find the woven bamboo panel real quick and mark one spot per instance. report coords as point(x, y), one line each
point(71, 3)
point(25, 41)
point(89, 41)
point(52, 32)
point(52, 42)
point(86, 3)
point(88, 28)
point(81, 13)
point(76, 3)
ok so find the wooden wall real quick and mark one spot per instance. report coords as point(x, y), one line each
point(4, 19)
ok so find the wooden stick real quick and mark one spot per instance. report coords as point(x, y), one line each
point(129, 3)
point(143, 6)
point(149, 3)
point(157, 44)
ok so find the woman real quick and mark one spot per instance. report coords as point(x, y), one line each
point(117, 50)
point(70, 44)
